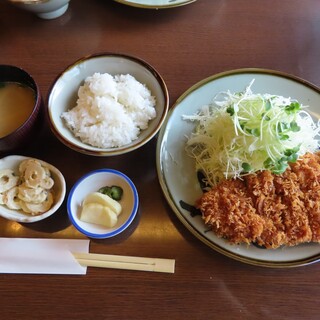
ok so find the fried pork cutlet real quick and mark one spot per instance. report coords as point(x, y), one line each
point(267, 209)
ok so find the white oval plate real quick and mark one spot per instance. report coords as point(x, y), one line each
point(155, 4)
point(176, 171)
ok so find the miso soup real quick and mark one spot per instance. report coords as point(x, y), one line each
point(16, 105)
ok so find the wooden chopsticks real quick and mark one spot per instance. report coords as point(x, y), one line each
point(125, 262)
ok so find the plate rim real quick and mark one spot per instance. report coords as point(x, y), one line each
point(248, 260)
point(151, 6)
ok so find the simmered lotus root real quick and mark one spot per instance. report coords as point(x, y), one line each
point(11, 199)
point(8, 180)
point(47, 183)
point(34, 174)
point(34, 194)
point(2, 198)
point(37, 208)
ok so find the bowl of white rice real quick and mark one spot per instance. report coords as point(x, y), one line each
point(107, 104)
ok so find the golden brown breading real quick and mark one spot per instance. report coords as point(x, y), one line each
point(244, 224)
point(266, 209)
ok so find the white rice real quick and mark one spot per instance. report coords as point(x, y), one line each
point(111, 110)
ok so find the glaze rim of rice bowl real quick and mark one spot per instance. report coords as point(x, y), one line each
point(62, 98)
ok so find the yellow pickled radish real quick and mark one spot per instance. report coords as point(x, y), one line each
point(103, 199)
point(97, 213)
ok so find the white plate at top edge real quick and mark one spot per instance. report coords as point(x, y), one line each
point(155, 4)
point(176, 171)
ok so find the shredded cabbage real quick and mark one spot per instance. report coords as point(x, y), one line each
point(246, 132)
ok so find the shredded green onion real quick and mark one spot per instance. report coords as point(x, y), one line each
point(248, 132)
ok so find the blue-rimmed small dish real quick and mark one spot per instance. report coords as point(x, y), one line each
point(92, 182)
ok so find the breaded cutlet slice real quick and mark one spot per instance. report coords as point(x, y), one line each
point(267, 209)
point(230, 212)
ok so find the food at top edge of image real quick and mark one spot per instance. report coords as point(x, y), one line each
point(262, 172)
point(110, 111)
point(30, 191)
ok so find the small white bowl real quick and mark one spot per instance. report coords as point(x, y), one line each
point(92, 182)
point(63, 95)
point(45, 9)
point(12, 162)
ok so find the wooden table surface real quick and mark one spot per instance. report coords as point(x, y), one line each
point(185, 44)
